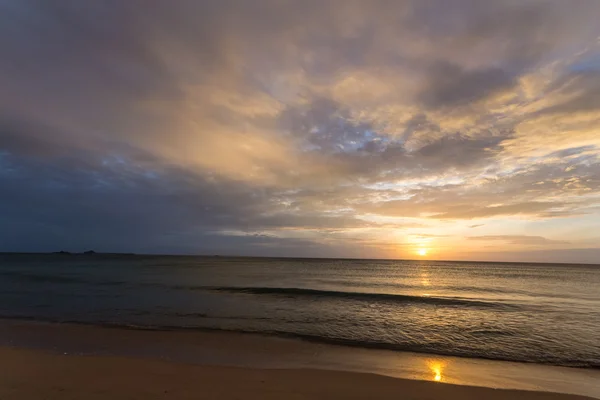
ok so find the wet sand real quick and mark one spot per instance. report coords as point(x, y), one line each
point(63, 361)
point(29, 374)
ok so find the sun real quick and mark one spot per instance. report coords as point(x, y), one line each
point(422, 252)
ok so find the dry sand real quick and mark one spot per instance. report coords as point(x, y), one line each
point(27, 374)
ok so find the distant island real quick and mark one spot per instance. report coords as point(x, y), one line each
point(68, 253)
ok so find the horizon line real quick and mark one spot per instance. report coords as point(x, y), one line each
point(288, 257)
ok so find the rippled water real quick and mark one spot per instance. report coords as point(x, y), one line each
point(523, 312)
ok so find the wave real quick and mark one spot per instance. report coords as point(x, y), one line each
point(60, 279)
point(34, 277)
point(362, 296)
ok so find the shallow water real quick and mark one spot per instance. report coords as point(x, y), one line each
point(519, 312)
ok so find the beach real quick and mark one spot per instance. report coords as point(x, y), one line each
point(36, 374)
point(68, 361)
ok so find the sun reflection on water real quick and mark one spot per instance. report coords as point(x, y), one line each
point(437, 368)
point(425, 279)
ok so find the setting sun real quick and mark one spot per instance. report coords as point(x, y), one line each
point(422, 252)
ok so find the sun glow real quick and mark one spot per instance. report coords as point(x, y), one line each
point(422, 252)
point(437, 369)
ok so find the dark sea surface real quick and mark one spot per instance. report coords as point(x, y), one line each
point(540, 313)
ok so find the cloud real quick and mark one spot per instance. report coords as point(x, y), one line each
point(428, 236)
point(450, 85)
point(470, 212)
point(546, 255)
point(441, 209)
point(315, 123)
point(520, 240)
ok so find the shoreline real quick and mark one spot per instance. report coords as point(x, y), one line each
point(257, 351)
point(31, 374)
point(318, 340)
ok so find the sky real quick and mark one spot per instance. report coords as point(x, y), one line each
point(435, 129)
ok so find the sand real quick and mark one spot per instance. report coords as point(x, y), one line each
point(29, 374)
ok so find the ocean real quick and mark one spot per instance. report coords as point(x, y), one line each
point(537, 313)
